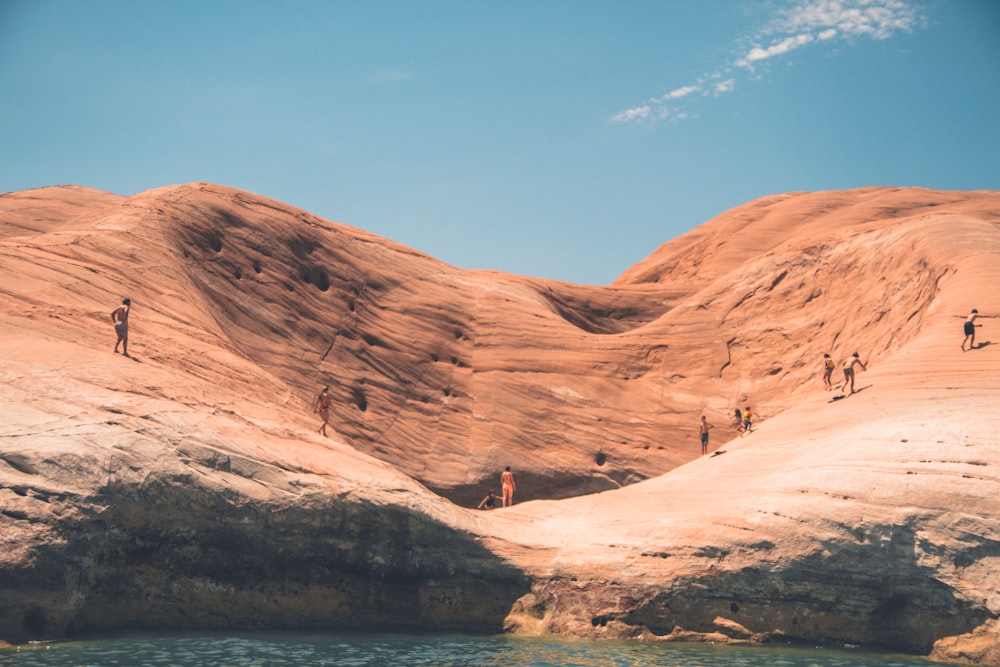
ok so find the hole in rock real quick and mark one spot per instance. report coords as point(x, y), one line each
point(359, 399)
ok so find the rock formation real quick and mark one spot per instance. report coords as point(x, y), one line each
point(186, 486)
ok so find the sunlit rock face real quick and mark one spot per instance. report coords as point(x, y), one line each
point(186, 486)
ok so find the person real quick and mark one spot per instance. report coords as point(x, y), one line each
point(704, 434)
point(849, 370)
point(321, 406)
point(119, 317)
point(489, 502)
point(507, 487)
point(970, 330)
point(738, 420)
point(827, 371)
point(747, 420)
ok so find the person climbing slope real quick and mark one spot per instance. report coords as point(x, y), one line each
point(849, 370)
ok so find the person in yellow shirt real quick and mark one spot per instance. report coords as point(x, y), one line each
point(828, 371)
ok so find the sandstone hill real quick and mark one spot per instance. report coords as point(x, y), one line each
point(186, 486)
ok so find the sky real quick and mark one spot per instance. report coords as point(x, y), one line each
point(562, 139)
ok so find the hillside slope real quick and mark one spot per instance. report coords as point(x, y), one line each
point(871, 519)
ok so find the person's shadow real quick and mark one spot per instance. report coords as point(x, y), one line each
point(980, 346)
point(841, 397)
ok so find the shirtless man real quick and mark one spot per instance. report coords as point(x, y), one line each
point(507, 486)
point(321, 406)
point(970, 330)
point(704, 434)
point(119, 316)
point(849, 371)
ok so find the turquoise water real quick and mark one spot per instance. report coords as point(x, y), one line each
point(399, 650)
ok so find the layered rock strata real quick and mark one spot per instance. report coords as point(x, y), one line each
point(185, 486)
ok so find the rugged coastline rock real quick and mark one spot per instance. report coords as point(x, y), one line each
point(186, 487)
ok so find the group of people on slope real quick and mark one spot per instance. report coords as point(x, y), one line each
point(852, 361)
point(743, 420)
point(742, 423)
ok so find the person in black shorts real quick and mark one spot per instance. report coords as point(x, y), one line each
point(489, 502)
point(970, 329)
point(704, 434)
point(854, 360)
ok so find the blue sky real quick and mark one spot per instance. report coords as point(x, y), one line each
point(563, 139)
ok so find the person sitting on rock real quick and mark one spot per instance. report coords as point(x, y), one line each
point(489, 502)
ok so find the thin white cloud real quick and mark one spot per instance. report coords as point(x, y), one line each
point(632, 115)
point(724, 86)
point(779, 48)
point(799, 25)
point(678, 93)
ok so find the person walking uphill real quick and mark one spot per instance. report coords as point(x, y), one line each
point(849, 371)
point(970, 329)
point(507, 487)
point(747, 420)
point(827, 371)
point(119, 316)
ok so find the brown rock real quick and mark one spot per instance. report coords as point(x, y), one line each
point(186, 486)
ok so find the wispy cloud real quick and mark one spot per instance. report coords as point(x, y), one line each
point(786, 45)
point(795, 26)
point(632, 115)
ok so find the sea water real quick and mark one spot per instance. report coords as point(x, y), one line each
point(401, 650)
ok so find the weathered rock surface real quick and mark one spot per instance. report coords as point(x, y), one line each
point(186, 486)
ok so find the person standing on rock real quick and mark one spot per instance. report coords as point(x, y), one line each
point(849, 371)
point(970, 330)
point(119, 317)
point(828, 366)
point(507, 487)
point(704, 434)
point(321, 406)
point(747, 420)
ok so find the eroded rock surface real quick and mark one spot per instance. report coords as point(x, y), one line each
point(186, 486)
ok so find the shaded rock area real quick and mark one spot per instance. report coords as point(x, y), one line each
point(185, 486)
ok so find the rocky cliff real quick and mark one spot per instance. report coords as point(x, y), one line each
point(185, 485)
